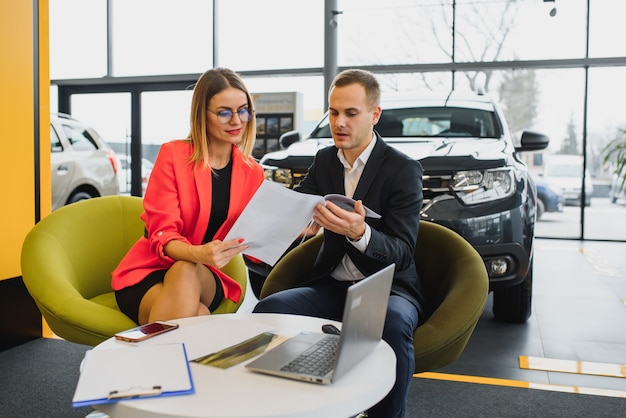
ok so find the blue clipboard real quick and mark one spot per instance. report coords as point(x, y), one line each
point(133, 372)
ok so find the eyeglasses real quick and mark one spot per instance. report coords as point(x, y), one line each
point(226, 115)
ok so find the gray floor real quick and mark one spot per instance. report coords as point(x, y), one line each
point(579, 314)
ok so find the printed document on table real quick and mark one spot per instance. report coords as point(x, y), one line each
point(275, 217)
point(139, 371)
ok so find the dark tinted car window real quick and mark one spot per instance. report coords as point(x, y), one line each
point(55, 142)
point(428, 122)
point(79, 139)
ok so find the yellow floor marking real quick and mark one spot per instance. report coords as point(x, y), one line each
point(600, 265)
point(571, 366)
point(473, 379)
point(521, 384)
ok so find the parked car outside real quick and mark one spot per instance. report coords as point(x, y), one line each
point(124, 172)
point(549, 199)
point(82, 164)
point(473, 182)
point(565, 172)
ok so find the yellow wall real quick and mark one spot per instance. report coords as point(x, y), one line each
point(17, 125)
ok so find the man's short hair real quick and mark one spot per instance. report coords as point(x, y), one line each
point(362, 77)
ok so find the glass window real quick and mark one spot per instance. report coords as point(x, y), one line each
point(560, 115)
point(488, 30)
point(606, 26)
point(152, 37)
point(107, 113)
point(402, 84)
point(165, 37)
point(559, 108)
point(164, 117)
point(270, 34)
point(394, 32)
point(606, 122)
point(312, 89)
point(78, 39)
point(80, 140)
point(55, 142)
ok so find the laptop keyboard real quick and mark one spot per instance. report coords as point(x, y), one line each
point(317, 360)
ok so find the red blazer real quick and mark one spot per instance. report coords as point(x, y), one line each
point(177, 205)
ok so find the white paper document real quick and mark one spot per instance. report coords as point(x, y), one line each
point(111, 375)
point(275, 217)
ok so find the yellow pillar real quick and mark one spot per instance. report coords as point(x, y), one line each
point(25, 156)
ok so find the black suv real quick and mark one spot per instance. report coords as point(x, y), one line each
point(474, 182)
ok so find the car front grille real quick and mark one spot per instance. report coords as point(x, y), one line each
point(433, 184)
point(297, 178)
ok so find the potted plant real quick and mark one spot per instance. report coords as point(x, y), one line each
point(615, 152)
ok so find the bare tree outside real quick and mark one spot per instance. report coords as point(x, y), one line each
point(462, 31)
point(569, 146)
point(480, 39)
point(519, 94)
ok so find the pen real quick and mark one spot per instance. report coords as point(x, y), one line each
point(132, 393)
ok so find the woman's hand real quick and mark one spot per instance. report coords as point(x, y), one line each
point(219, 253)
point(215, 253)
point(310, 231)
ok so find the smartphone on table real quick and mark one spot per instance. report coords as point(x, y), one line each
point(146, 331)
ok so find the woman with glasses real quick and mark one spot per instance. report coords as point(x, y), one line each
point(198, 187)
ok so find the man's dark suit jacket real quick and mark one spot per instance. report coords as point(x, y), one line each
point(391, 185)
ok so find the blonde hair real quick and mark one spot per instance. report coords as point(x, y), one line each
point(208, 85)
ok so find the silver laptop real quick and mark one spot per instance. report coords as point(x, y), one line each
point(327, 357)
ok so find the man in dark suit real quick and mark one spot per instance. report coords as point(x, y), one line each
point(362, 166)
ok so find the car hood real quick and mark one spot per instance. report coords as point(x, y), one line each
point(487, 148)
point(308, 147)
point(469, 152)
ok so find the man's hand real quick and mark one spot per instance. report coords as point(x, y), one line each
point(340, 221)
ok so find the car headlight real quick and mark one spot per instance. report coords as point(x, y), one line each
point(278, 175)
point(475, 186)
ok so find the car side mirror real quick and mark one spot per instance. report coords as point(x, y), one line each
point(533, 141)
point(289, 138)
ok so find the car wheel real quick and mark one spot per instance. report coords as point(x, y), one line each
point(541, 208)
point(513, 304)
point(78, 196)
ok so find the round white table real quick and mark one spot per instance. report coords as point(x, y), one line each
point(239, 393)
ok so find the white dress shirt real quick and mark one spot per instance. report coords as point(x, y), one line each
point(346, 270)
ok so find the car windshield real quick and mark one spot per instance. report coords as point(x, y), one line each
point(428, 122)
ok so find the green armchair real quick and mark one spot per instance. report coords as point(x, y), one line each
point(67, 260)
point(454, 281)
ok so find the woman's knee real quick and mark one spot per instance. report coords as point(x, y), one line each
point(182, 274)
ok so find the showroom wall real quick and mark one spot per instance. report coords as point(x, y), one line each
point(25, 162)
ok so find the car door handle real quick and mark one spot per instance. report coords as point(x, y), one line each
point(62, 168)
